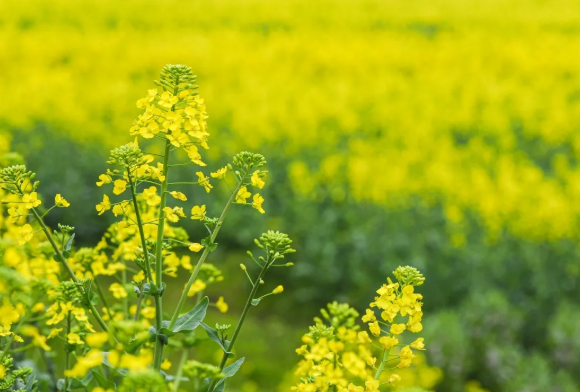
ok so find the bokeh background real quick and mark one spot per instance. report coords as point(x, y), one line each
point(440, 134)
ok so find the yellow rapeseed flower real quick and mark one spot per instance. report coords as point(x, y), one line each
point(195, 247)
point(397, 329)
point(26, 233)
point(221, 305)
point(105, 179)
point(119, 187)
point(257, 203)
point(60, 201)
point(204, 181)
point(104, 205)
point(30, 200)
point(257, 180)
point(151, 197)
point(178, 195)
point(220, 173)
point(118, 290)
point(196, 287)
point(242, 195)
point(198, 213)
point(74, 338)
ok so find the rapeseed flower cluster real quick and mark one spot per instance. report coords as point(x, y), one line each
point(103, 305)
point(338, 356)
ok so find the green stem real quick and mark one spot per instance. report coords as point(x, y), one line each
point(140, 225)
point(240, 323)
point(100, 291)
point(158, 260)
point(203, 257)
point(139, 301)
point(180, 370)
point(67, 354)
point(67, 267)
point(54, 245)
point(385, 358)
point(126, 298)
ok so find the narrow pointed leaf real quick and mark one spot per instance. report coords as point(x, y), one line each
point(229, 371)
point(191, 320)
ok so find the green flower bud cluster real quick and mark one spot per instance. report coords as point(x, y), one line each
point(176, 78)
point(320, 330)
point(68, 291)
point(12, 377)
point(275, 244)
point(223, 328)
point(127, 156)
point(247, 161)
point(65, 229)
point(143, 381)
point(339, 315)
point(195, 369)
point(14, 173)
point(409, 276)
point(13, 177)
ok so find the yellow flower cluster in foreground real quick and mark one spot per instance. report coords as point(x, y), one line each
point(339, 357)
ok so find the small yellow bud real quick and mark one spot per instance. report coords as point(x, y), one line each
point(261, 281)
point(243, 267)
point(289, 264)
point(278, 290)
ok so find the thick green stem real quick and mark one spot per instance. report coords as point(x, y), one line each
point(158, 260)
point(240, 323)
point(67, 267)
point(203, 257)
point(381, 367)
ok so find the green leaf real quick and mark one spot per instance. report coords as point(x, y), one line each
point(30, 383)
point(102, 380)
point(139, 340)
point(68, 245)
point(75, 383)
point(209, 244)
point(89, 296)
point(229, 371)
point(191, 320)
point(165, 329)
point(213, 335)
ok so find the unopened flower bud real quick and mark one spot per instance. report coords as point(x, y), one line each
point(278, 290)
point(243, 267)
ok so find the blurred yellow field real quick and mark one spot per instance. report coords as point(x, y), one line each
point(475, 104)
